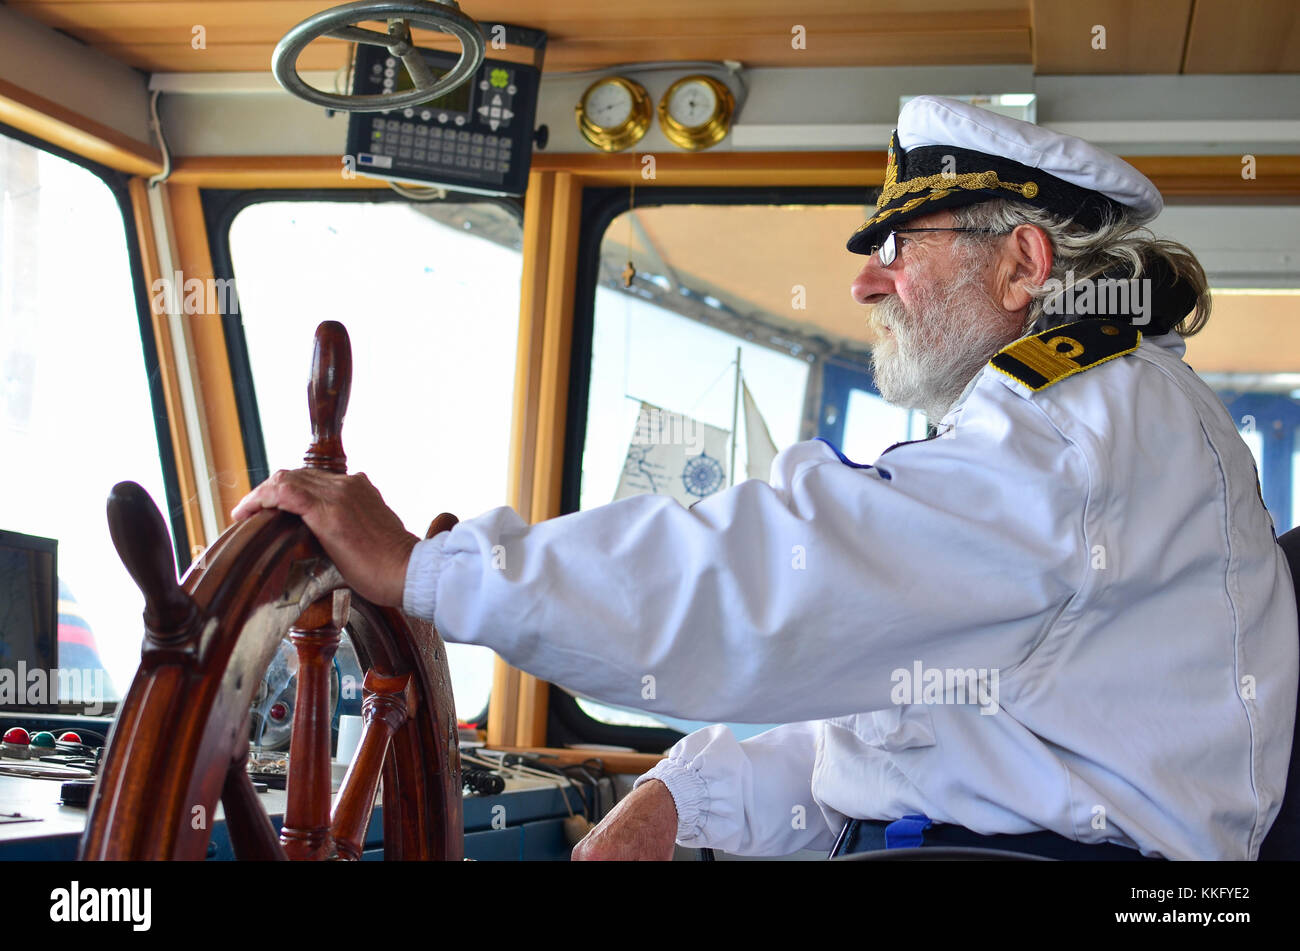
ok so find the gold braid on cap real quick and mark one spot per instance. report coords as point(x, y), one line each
point(940, 185)
point(891, 167)
point(950, 182)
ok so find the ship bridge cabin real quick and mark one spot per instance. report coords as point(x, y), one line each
point(537, 266)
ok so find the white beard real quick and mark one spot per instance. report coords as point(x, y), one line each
point(938, 346)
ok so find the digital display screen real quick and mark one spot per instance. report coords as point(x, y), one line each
point(455, 101)
point(28, 609)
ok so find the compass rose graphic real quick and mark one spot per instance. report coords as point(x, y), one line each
point(702, 475)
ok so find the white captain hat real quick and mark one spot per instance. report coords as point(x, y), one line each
point(946, 154)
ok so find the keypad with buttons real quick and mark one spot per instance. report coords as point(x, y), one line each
point(479, 143)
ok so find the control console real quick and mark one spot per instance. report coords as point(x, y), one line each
point(477, 138)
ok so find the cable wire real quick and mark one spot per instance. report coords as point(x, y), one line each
point(156, 124)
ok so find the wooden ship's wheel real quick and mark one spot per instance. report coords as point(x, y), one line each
point(180, 741)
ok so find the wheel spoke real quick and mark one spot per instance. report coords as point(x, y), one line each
point(306, 833)
point(399, 36)
point(356, 34)
point(389, 702)
point(421, 75)
point(249, 827)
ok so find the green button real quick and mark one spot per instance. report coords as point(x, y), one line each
point(499, 78)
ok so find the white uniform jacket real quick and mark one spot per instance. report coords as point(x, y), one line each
point(1088, 567)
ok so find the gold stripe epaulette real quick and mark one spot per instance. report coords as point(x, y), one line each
point(1051, 356)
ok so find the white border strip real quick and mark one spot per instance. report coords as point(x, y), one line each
point(227, 83)
point(186, 371)
point(756, 136)
point(876, 137)
point(1180, 130)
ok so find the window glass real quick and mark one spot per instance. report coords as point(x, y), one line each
point(1295, 480)
point(644, 353)
point(680, 287)
point(1245, 354)
point(419, 287)
point(871, 426)
point(1247, 351)
point(1255, 442)
point(705, 281)
point(75, 411)
point(1267, 421)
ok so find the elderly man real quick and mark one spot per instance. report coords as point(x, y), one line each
point(1062, 625)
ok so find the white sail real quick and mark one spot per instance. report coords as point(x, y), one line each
point(759, 448)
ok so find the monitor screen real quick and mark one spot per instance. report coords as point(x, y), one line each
point(455, 101)
point(29, 618)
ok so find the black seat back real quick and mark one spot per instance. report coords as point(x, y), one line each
point(1283, 840)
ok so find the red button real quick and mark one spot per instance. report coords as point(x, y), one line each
point(70, 737)
point(17, 736)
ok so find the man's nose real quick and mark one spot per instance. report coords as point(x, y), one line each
point(874, 282)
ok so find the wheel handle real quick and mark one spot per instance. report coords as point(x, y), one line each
point(339, 23)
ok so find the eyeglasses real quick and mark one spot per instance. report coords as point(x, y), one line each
point(888, 249)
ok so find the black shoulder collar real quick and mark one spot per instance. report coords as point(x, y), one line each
point(1051, 356)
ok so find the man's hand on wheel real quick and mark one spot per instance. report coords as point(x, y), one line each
point(363, 536)
point(643, 827)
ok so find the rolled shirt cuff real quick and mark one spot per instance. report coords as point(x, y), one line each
point(690, 795)
point(420, 595)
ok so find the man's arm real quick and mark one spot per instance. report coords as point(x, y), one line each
point(786, 602)
point(641, 828)
point(793, 601)
point(752, 797)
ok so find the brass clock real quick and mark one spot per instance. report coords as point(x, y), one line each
point(695, 112)
point(614, 113)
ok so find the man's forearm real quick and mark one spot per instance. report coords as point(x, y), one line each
point(751, 797)
point(642, 827)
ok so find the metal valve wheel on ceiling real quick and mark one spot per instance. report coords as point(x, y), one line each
point(340, 23)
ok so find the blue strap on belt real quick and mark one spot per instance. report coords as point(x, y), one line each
point(907, 832)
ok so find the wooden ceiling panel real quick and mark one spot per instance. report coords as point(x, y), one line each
point(544, 12)
point(233, 20)
point(230, 57)
point(147, 22)
point(156, 36)
point(1146, 37)
point(842, 49)
point(1223, 40)
point(1151, 36)
point(837, 51)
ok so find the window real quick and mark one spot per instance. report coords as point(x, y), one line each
point(773, 280)
point(871, 425)
point(1268, 421)
point(770, 281)
point(856, 418)
point(418, 287)
point(645, 352)
point(75, 410)
point(1247, 352)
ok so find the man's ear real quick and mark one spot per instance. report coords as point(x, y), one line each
point(1026, 262)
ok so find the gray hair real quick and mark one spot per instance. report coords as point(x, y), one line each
point(1090, 253)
